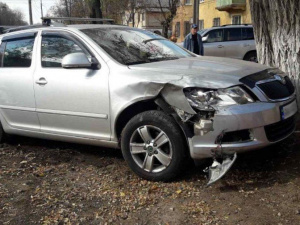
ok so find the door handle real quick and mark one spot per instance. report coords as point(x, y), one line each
point(41, 81)
point(246, 45)
point(220, 46)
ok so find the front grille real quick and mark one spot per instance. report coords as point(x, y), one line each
point(280, 130)
point(277, 90)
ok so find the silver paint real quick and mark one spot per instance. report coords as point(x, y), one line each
point(82, 105)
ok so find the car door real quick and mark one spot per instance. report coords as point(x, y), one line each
point(248, 37)
point(17, 65)
point(213, 43)
point(235, 46)
point(72, 102)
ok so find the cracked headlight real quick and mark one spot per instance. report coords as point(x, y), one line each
point(206, 100)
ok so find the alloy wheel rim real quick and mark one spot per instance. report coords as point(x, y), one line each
point(151, 149)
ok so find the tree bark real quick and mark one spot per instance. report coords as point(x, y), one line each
point(277, 32)
point(96, 9)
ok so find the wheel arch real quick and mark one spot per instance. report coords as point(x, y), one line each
point(156, 103)
point(247, 53)
point(130, 111)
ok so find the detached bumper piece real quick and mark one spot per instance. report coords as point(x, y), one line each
point(218, 170)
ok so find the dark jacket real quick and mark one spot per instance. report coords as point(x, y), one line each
point(189, 44)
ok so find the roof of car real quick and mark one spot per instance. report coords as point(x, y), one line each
point(233, 25)
point(91, 26)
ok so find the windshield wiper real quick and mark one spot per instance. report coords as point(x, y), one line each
point(136, 62)
point(164, 59)
point(153, 39)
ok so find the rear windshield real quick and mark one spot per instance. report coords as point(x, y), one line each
point(133, 46)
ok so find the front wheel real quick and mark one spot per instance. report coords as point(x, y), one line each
point(1, 133)
point(153, 146)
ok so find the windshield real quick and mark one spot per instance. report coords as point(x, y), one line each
point(133, 46)
point(201, 32)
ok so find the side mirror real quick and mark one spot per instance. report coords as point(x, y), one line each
point(76, 60)
point(204, 39)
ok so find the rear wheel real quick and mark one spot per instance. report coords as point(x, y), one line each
point(251, 56)
point(153, 146)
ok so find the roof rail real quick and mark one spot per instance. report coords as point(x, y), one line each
point(245, 24)
point(48, 20)
point(14, 29)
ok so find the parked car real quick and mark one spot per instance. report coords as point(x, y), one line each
point(231, 41)
point(127, 88)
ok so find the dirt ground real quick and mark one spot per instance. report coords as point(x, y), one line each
point(46, 182)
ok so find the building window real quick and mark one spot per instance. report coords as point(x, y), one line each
point(201, 24)
point(177, 29)
point(201, 1)
point(237, 19)
point(188, 2)
point(216, 22)
point(187, 28)
point(143, 16)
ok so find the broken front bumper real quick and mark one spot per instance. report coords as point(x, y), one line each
point(264, 122)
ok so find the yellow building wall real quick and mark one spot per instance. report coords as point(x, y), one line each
point(207, 13)
point(184, 14)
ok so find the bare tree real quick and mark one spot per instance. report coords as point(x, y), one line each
point(168, 11)
point(10, 17)
point(277, 33)
point(71, 8)
point(96, 11)
point(114, 9)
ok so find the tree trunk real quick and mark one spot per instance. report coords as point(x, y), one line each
point(96, 9)
point(277, 32)
point(67, 8)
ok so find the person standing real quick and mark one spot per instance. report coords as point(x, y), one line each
point(193, 41)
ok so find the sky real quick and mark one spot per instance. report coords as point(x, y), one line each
point(22, 5)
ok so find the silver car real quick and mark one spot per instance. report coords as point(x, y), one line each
point(122, 87)
point(230, 41)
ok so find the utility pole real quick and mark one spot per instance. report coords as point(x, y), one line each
point(42, 8)
point(133, 5)
point(196, 12)
point(30, 12)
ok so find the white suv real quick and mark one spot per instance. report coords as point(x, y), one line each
point(232, 41)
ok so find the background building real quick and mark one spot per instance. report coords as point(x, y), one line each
point(212, 13)
point(147, 15)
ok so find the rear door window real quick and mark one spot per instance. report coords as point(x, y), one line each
point(233, 34)
point(17, 52)
point(247, 34)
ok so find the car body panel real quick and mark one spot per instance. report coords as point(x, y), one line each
point(64, 109)
point(17, 102)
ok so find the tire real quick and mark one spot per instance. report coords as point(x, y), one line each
point(153, 146)
point(251, 57)
point(1, 134)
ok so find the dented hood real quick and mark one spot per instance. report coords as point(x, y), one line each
point(206, 72)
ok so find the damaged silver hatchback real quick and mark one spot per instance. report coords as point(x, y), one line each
point(121, 87)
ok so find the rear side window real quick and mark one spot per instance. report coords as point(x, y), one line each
point(247, 34)
point(233, 34)
point(55, 48)
point(17, 52)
